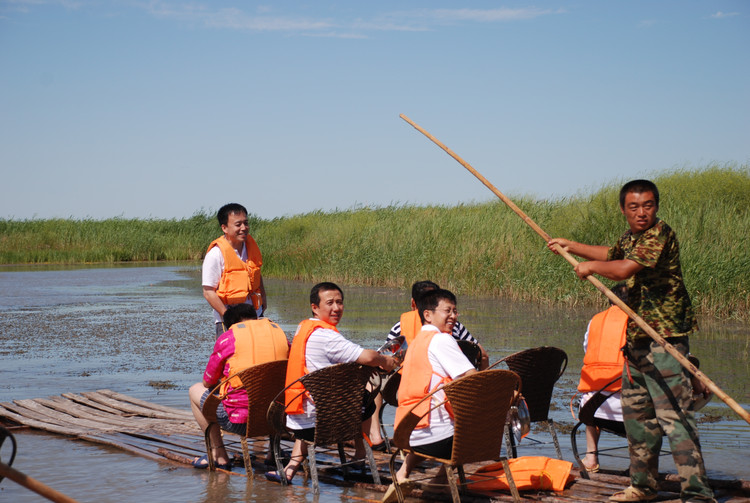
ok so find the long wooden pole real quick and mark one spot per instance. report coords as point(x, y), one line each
point(34, 485)
point(598, 284)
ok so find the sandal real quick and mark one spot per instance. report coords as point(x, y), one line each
point(407, 486)
point(379, 447)
point(593, 469)
point(275, 477)
point(632, 494)
point(202, 463)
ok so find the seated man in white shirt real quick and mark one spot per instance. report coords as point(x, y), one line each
point(432, 360)
point(318, 344)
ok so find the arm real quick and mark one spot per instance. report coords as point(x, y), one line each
point(485, 362)
point(209, 293)
point(467, 373)
point(264, 301)
point(588, 252)
point(372, 358)
point(616, 270)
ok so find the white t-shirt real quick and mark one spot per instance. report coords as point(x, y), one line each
point(325, 347)
point(213, 268)
point(447, 360)
point(611, 408)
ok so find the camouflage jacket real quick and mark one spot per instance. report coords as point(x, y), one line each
point(656, 293)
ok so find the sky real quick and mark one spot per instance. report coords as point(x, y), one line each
point(164, 109)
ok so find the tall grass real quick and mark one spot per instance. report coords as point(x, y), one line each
point(479, 249)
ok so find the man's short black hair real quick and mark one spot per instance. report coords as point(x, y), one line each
point(639, 187)
point(421, 287)
point(237, 313)
point(228, 209)
point(325, 286)
point(430, 300)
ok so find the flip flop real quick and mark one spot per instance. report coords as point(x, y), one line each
point(407, 486)
point(202, 463)
point(593, 469)
point(275, 477)
point(379, 447)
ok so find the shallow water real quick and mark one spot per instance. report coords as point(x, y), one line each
point(146, 331)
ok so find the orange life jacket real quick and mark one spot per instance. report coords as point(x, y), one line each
point(239, 278)
point(416, 378)
point(603, 361)
point(255, 341)
point(530, 473)
point(411, 325)
point(297, 366)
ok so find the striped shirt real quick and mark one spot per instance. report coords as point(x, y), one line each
point(459, 333)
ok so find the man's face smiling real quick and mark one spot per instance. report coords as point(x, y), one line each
point(331, 307)
point(640, 210)
point(444, 316)
point(236, 228)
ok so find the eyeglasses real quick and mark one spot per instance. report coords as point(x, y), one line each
point(446, 312)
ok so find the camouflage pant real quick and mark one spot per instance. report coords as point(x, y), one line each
point(655, 401)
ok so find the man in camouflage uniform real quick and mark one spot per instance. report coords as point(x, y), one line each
point(656, 390)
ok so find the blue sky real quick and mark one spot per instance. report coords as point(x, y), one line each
point(162, 109)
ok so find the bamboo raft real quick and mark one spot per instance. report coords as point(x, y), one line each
point(171, 435)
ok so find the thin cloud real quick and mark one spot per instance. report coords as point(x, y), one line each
point(492, 15)
point(647, 23)
point(723, 15)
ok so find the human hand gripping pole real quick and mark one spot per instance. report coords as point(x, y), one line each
point(593, 280)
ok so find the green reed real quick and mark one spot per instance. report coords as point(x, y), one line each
point(481, 249)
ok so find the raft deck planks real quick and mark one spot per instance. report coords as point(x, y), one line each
point(171, 435)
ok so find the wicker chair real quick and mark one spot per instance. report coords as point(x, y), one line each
point(338, 393)
point(539, 370)
point(480, 404)
point(390, 387)
point(262, 383)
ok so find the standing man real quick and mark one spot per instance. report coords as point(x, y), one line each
point(656, 389)
point(318, 344)
point(231, 268)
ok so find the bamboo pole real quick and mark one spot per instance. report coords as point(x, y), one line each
point(34, 485)
point(595, 281)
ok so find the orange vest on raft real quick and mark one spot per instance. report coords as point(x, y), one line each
point(255, 341)
point(604, 361)
point(411, 325)
point(416, 379)
point(239, 278)
point(297, 366)
point(530, 473)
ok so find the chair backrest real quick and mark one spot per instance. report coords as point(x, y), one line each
point(338, 393)
point(390, 389)
point(471, 351)
point(262, 383)
point(539, 369)
point(480, 405)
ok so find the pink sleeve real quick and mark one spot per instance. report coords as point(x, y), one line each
point(217, 362)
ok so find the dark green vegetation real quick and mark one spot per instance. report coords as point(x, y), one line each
point(482, 249)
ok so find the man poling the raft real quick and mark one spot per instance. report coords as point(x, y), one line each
point(628, 259)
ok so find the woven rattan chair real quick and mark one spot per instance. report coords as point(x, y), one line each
point(390, 387)
point(539, 370)
point(480, 404)
point(389, 392)
point(262, 383)
point(338, 393)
